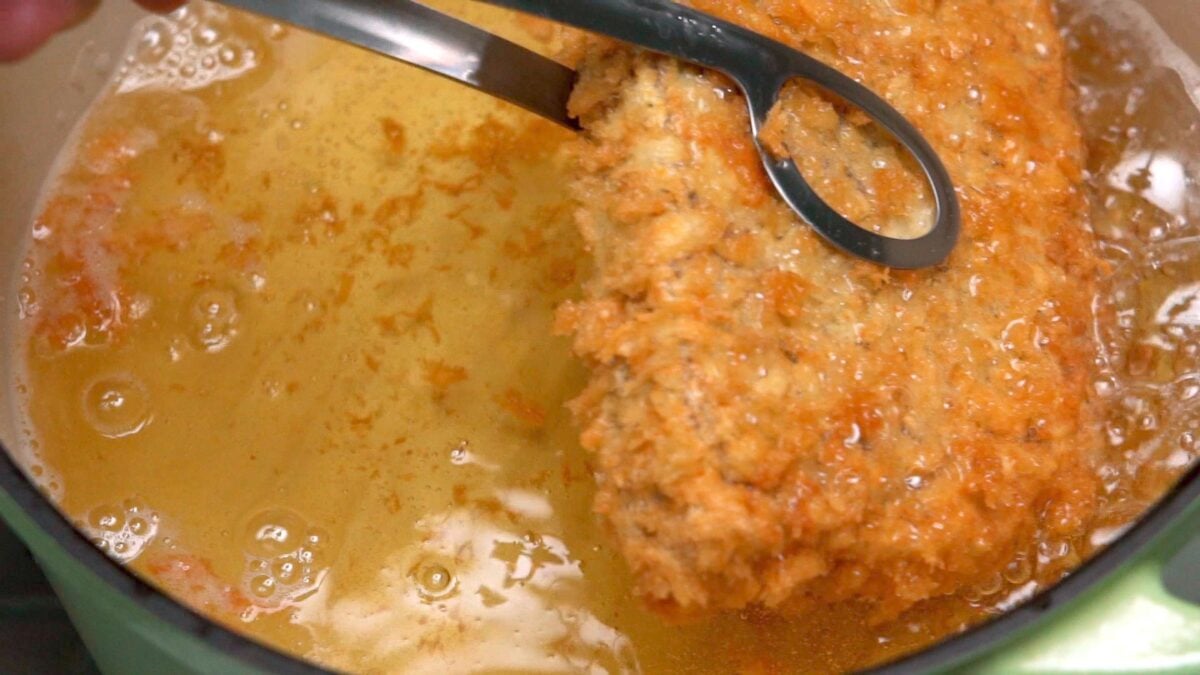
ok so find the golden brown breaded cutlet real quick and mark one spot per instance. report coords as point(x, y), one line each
point(773, 422)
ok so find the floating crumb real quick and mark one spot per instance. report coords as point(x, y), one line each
point(204, 161)
point(522, 408)
point(392, 502)
point(393, 133)
point(532, 243)
point(345, 287)
point(422, 317)
point(490, 598)
point(400, 209)
point(561, 272)
point(441, 376)
point(407, 322)
point(400, 255)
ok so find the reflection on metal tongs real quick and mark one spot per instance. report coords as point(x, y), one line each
point(420, 36)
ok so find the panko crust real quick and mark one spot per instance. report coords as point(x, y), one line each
point(775, 423)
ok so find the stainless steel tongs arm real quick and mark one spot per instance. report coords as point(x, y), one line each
point(423, 37)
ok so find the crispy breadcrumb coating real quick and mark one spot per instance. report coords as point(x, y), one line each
point(775, 423)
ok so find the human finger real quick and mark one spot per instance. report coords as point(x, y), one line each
point(26, 24)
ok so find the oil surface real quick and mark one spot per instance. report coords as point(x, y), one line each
point(289, 355)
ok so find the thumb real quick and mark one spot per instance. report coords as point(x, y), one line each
point(26, 24)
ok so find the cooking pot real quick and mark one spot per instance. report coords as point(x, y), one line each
point(1113, 614)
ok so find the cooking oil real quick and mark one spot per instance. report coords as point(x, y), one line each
point(289, 355)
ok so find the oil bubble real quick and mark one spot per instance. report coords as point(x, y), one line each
point(117, 406)
point(213, 319)
point(436, 578)
point(228, 56)
point(107, 517)
point(274, 532)
point(1050, 550)
point(122, 532)
point(991, 586)
point(1018, 571)
point(27, 304)
point(262, 586)
point(316, 539)
point(286, 571)
point(434, 581)
point(154, 44)
point(207, 36)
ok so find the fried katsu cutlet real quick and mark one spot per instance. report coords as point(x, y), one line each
point(775, 423)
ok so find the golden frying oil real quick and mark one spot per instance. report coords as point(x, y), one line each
point(290, 355)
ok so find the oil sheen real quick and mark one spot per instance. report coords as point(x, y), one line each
point(287, 316)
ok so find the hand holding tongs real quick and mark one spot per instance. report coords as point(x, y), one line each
point(418, 35)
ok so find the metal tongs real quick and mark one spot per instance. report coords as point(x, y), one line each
point(415, 34)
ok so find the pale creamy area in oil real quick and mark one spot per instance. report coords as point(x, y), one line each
point(289, 355)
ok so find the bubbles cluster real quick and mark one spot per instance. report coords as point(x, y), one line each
point(286, 557)
point(27, 297)
point(122, 531)
point(1149, 327)
point(195, 46)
